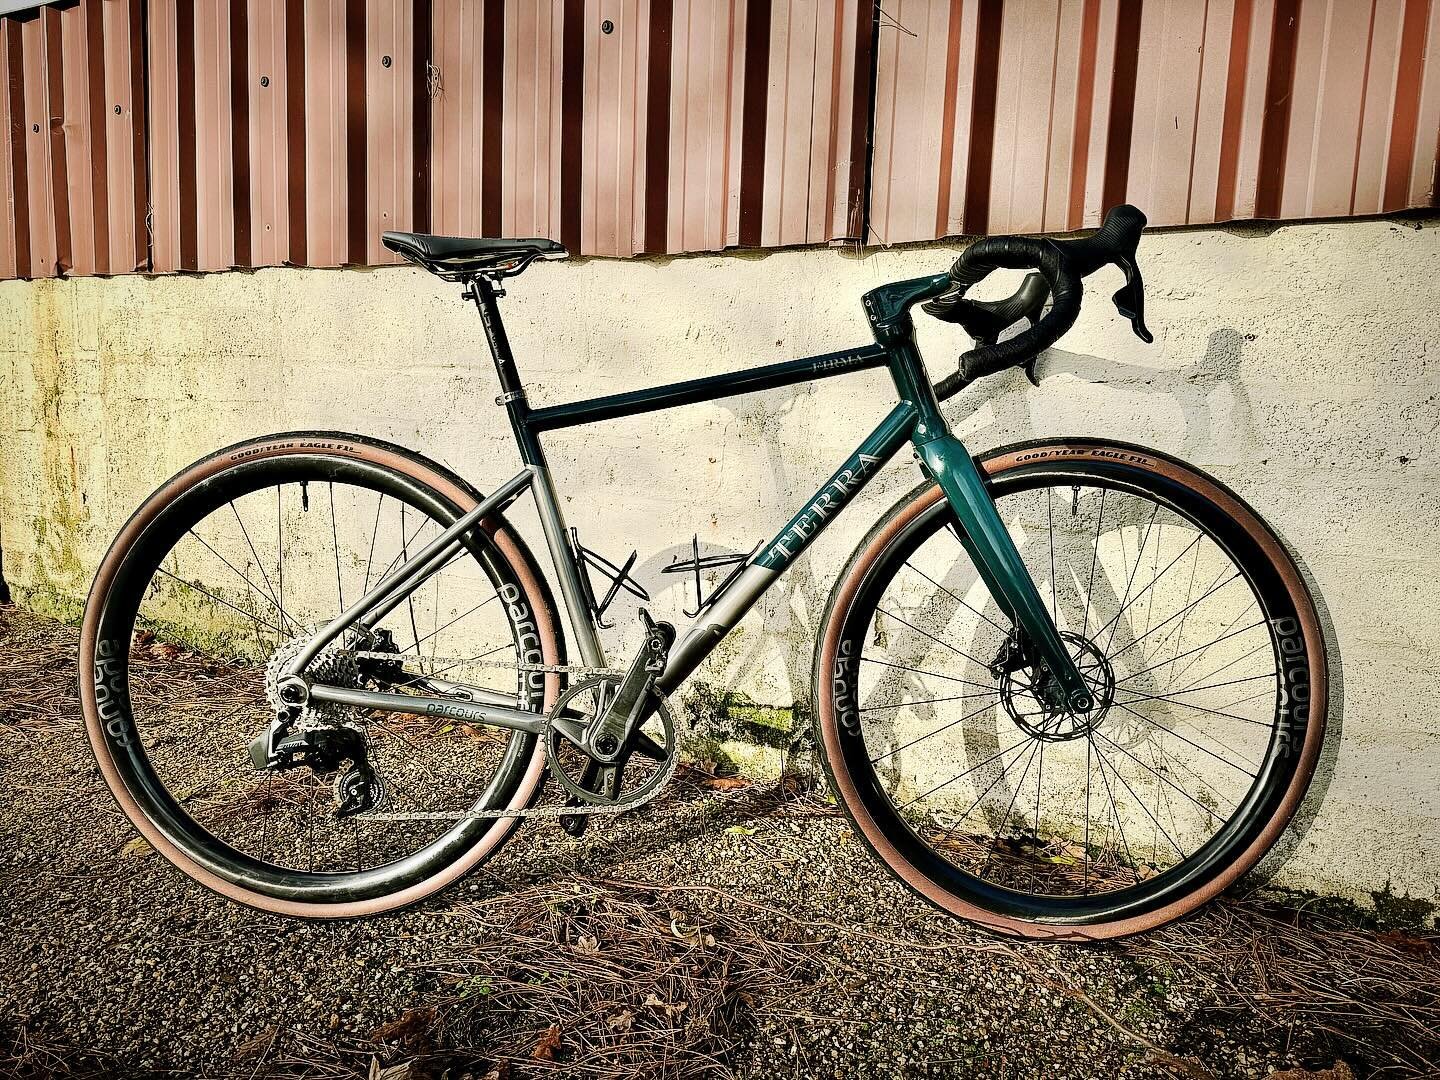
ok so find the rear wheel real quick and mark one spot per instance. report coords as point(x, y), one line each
point(217, 580)
point(1203, 652)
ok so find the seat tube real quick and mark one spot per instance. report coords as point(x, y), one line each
point(982, 532)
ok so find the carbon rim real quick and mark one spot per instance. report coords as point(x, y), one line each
point(921, 857)
point(115, 620)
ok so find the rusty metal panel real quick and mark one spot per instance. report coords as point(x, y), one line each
point(389, 64)
point(122, 98)
point(327, 124)
point(263, 238)
point(10, 128)
point(212, 139)
point(162, 78)
point(458, 130)
point(1031, 115)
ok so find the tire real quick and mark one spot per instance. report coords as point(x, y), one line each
point(113, 654)
point(1030, 882)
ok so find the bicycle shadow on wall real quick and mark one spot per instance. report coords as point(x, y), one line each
point(1216, 415)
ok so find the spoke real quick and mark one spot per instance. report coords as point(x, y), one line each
point(1176, 676)
point(1189, 592)
point(1225, 667)
point(280, 550)
point(335, 545)
point(957, 599)
point(1166, 779)
point(926, 701)
point(967, 772)
point(932, 674)
point(1005, 818)
point(1089, 749)
point(1135, 599)
point(1094, 558)
point(1178, 615)
point(259, 564)
point(990, 786)
point(374, 531)
point(1171, 694)
point(1178, 849)
point(1197, 708)
point(457, 618)
point(932, 637)
point(405, 543)
point(422, 676)
point(1054, 581)
point(1209, 644)
point(1160, 646)
point(1039, 778)
point(1192, 742)
point(946, 727)
point(1130, 581)
point(409, 596)
point(256, 588)
point(219, 600)
point(1115, 811)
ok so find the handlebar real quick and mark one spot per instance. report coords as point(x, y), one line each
point(1061, 266)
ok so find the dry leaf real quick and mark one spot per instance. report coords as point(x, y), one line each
point(724, 783)
point(671, 1008)
point(624, 1022)
point(411, 1029)
point(548, 1043)
point(588, 945)
point(1415, 946)
point(137, 848)
point(1340, 1071)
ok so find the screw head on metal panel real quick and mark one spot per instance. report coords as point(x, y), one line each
point(607, 27)
point(385, 61)
point(117, 110)
point(264, 80)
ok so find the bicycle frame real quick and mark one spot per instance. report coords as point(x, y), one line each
point(916, 419)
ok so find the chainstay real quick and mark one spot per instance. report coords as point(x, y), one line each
point(582, 809)
point(453, 662)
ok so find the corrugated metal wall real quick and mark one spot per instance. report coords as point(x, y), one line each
point(1027, 115)
point(200, 134)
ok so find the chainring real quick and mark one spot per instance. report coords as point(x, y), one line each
point(556, 741)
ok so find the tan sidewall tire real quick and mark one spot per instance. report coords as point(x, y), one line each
point(506, 544)
point(845, 789)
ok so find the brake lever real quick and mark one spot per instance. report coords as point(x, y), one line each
point(1130, 298)
point(1033, 319)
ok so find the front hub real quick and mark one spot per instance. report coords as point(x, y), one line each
point(1028, 705)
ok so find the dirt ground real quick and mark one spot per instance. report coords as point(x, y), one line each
point(724, 930)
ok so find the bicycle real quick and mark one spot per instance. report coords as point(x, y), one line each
point(1010, 701)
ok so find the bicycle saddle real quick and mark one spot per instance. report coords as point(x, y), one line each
point(462, 256)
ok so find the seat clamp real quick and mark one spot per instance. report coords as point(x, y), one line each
point(509, 396)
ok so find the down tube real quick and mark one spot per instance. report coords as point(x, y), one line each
point(776, 556)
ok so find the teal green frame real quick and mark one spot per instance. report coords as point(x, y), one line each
point(915, 419)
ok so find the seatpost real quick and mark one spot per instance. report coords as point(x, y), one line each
point(485, 294)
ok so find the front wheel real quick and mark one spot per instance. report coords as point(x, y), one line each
point(1204, 654)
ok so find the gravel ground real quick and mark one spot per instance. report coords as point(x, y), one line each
point(738, 932)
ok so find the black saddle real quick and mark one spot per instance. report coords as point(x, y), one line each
point(456, 257)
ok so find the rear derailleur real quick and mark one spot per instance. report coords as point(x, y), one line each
point(322, 748)
point(598, 721)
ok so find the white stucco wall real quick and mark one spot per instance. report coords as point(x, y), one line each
point(1298, 364)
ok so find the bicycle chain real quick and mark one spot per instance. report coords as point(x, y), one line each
point(588, 809)
point(579, 671)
